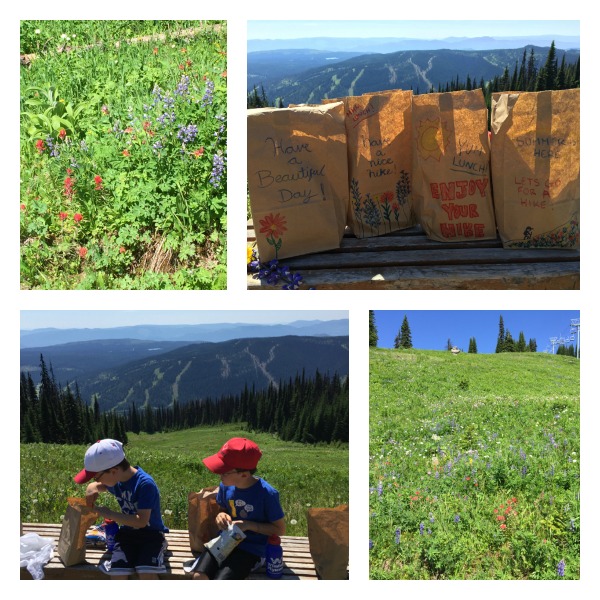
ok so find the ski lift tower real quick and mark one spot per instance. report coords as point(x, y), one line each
point(554, 342)
point(575, 329)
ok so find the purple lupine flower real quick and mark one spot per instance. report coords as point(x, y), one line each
point(560, 568)
point(295, 281)
point(217, 171)
point(207, 99)
point(456, 518)
point(182, 88)
point(187, 133)
point(380, 488)
point(398, 534)
point(421, 528)
point(370, 544)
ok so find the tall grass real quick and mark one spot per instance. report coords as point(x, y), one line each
point(474, 466)
point(304, 475)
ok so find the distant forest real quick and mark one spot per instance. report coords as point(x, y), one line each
point(525, 77)
point(306, 410)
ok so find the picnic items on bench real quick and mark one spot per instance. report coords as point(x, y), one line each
point(535, 168)
point(328, 537)
point(379, 137)
point(297, 178)
point(451, 175)
point(202, 512)
point(72, 541)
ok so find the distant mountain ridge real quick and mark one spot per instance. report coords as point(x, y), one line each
point(419, 70)
point(216, 332)
point(395, 44)
point(158, 375)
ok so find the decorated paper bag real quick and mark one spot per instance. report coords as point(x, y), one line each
point(535, 168)
point(77, 520)
point(328, 538)
point(297, 179)
point(202, 512)
point(451, 191)
point(378, 129)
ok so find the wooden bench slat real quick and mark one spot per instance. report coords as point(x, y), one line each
point(407, 259)
point(298, 563)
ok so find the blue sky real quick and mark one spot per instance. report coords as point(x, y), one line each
point(423, 29)
point(77, 319)
point(430, 329)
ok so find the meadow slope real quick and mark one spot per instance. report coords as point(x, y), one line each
point(474, 465)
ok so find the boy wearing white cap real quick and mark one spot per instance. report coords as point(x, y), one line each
point(140, 541)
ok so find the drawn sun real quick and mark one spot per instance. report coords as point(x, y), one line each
point(432, 139)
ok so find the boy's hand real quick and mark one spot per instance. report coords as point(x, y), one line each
point(223, 520)
point(91, 494)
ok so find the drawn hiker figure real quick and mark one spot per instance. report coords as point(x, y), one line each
point(527, 233)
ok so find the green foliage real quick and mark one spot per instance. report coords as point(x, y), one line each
point(373, 335)
point(304, 475)
point(123, 173)
point(475, 462)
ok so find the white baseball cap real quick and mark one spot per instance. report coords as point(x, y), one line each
point(101, 456)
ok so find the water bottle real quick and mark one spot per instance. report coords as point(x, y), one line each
point(274, 557)
point(110, 531)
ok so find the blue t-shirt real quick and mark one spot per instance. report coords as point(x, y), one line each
point(259, 502)
point(139, 493)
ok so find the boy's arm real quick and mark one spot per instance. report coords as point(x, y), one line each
point(273, 528)
point(138, 521)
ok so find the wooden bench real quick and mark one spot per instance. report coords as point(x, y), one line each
point(408, 260)
point(297, 560)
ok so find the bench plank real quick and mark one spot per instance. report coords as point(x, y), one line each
point(409, 260)
point(298, 563)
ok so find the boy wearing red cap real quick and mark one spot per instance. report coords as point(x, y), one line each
point(140, 542)
point(246, 501)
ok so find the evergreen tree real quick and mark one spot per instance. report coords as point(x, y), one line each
point(532, 345)
point(472, 346)
point(404, 337)
point(501, 336)
point(373, 335)
point(509, 343)
point(521, 344)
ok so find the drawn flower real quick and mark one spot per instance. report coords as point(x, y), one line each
point(273, 225)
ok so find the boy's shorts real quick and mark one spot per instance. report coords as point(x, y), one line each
point(137, 551)
point(238, 565)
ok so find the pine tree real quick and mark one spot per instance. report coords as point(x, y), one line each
point(373, 335)
point(521, 345)
point(501, 336)
point(472, 346)
point(532, 345)
point(404, 338)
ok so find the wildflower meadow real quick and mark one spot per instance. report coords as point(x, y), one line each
point(123, 154)
point(474, 465)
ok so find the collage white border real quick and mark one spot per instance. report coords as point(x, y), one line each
point(358, 302)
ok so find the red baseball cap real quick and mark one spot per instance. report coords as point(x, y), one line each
point(237, 453)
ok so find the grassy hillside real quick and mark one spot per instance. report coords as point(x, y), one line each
point(474, 466)
point(304, 475)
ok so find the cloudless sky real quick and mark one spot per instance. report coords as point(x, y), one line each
point(424, 29)
point(89, 319)
point(430, 329)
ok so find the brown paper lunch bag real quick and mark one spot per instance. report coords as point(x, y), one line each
point(77, 520)
point(378, 130)
point(535, 168)
point(452, 188)
point(297, 179)
point(202, 512)
point(328, 539)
